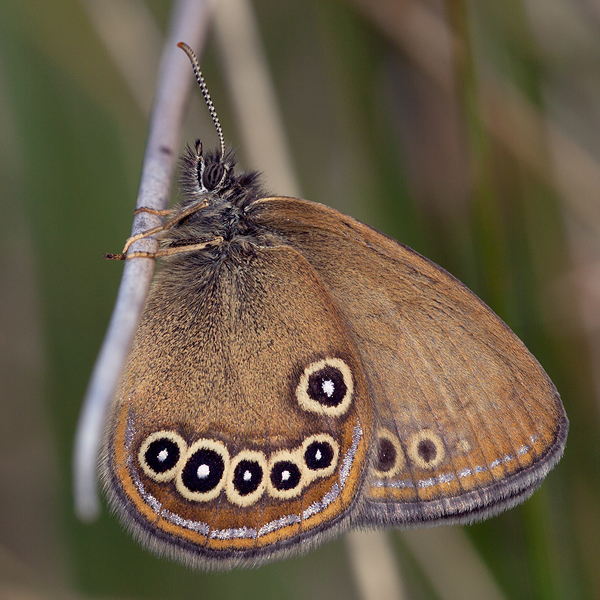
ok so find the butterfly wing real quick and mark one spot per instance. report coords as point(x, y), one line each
point(467, 421)
point(242, 427)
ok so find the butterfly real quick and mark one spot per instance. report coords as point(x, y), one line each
point(297, 373)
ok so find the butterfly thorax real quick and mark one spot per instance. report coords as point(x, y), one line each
point(225, 214)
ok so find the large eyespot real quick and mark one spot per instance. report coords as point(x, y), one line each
point(286, 475)
point(326, 387)
point(212, 175)
point(320, 453)
point(389, 458)
point(247, 478)
point(160, 455)
point(203, 474)
point(426, 449)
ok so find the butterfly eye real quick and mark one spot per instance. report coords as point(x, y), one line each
point(287, 477)
point(212, 174)
point(390, 458)
point(426, 449)
point(160, 455)
point(326, 387)
point(320, 453)
point(203, 475)
point(247, 478)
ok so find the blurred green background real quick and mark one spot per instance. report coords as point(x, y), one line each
point(467, 130)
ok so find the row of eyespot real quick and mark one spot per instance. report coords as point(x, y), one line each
point(204, 469)
point(424, 448)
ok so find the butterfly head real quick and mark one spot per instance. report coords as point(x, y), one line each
point(213, 175)
point(213, 170)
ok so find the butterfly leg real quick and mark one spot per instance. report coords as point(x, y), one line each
point(176, 250)
point(165, 227)
point(153, 211)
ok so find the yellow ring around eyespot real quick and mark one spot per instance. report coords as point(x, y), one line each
point(292, 456)
point(413, 448)
point(232, 494)
point(170, 435)
point(220, 449)
point(318, 473)
point(308, 404)
point(400, 460)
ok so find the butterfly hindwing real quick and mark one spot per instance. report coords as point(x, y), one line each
point(248, 436)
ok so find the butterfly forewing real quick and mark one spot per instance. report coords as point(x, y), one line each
point(467, 421)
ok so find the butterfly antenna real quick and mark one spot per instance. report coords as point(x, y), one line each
point(204, 89)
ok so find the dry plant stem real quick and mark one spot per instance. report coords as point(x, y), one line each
point(375, 566)
point(189, 22)
point(253, 94)
point(134, 45)
point(453, 566)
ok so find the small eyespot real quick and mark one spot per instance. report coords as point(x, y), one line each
point(426, 449)
point(326, 387)
point(212, 174)
point(320, 453)
point(390, 458)
point(203, 474)
point(463, 446)
point(247, 478)
point(160, 455)
point(286, 475)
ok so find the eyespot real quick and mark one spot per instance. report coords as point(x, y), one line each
point(320, 453)
point(390, 458)
point(247, 478)
point(286, 475)
point(212, 175)
point(326, 387)
point(160, 455)
point(426, 449)
point(203, 474)
point(463, 446)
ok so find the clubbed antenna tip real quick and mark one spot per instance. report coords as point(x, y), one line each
point(204, 90)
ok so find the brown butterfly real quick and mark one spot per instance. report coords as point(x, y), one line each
point(297, 373)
